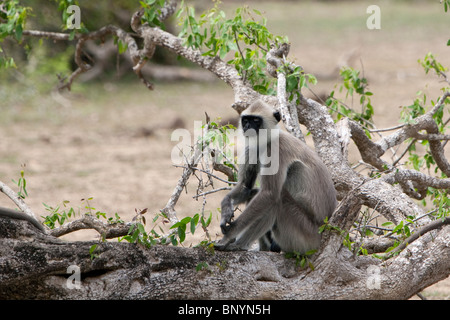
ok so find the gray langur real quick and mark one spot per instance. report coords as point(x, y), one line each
point(8, 213)
point(293, 200)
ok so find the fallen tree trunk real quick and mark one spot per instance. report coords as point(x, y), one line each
point(38, 266)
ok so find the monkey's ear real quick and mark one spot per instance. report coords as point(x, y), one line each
point(277, 115)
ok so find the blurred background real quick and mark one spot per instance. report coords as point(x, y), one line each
point(109, 137)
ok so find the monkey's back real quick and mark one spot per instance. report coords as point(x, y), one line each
point(307, 178)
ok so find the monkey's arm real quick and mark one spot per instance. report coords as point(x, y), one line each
point(258, 217)
point(4, 212)
point(242, 192)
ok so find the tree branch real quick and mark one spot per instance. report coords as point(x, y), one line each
point(369, 150)
point(275, 60)
point(421, 179)
point(106, 230)
point(418, 233)
point(424, 122)
point(135, 54)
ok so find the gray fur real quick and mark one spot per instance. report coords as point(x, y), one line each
point(290, 204)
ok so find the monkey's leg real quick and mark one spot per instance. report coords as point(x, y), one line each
point(295, 229)
point(256, 220)
point(267, 243)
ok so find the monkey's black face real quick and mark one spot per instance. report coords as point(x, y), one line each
point(251, 122)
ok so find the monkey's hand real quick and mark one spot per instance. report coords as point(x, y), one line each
point(225, 221)
point(225, 225)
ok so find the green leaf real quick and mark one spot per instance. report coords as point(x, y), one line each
point(310, 252)
point(173, 240)
point(194, 222)
point(387, 224)
point(398, 227)
point(141, 228)
point(182, 233)
point(122, 46)
point(18, 32)
point(92, 250)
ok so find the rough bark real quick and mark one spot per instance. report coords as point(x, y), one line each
point(34, 264)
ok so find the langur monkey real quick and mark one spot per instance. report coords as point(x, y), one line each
point(4, 212)
point(285, 213)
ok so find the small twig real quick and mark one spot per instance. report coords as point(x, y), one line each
point(208, 173)
point(191, 164)
point(442, 73)
point(427, 228)
point(106, 230)
point(421, 296)
point(225, 170)
point(210, 192)
point(242, 55)
point(403, 153)
point(169, 209)
point(389, 234)
point(386, 129)
point(257, 44)
point(376, 227)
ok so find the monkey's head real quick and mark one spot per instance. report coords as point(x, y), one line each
point(258, 116)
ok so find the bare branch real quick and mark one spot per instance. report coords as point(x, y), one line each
point(375, 193)
point(386, 129)
point(424, 122)
point(418, 233)
point(276, 58)
point(137, 56)
point(437, 150)
point(209, 173)
point(106, 230)
point(432, 136)
point(169, 209)
point(18, 201)
point(48, 35)
point(344, 132)
point(225, 170)
point(188, 170)
point(211, 192)
point(370, 151)
point(226, 72)
point(421, 179)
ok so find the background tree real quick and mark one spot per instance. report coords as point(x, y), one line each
point(360, 257)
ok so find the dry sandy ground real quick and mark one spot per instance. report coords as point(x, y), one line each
point(89, 142)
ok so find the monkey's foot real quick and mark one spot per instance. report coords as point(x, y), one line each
point(227, 246)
